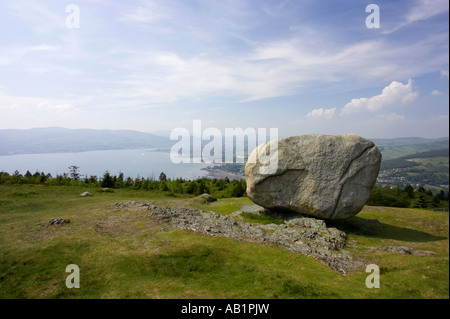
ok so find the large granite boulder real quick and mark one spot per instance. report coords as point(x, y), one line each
point(328, 177)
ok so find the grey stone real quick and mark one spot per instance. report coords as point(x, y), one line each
point(327, 177)
point(85, 194)
point(205, 198)
point(251, 208)
point(57, 221)
point(310, 237)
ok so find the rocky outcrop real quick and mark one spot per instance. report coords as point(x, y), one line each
point(304, 235)
point(327, 177)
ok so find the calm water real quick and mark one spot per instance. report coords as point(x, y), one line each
point(131, 163)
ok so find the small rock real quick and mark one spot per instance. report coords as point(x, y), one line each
point(85, 194)
point(205, 198)
point(252, 208)
point(57, 221)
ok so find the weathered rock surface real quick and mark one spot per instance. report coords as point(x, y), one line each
point(305, 235)
point(328, 177)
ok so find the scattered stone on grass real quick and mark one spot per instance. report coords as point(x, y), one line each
point(304, 235)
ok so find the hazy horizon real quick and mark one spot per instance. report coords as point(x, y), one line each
point(167, 133)
point(303, 67)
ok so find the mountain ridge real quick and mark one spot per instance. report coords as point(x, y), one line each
point(60, 140)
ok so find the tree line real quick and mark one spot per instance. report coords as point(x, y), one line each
point(218, 188)
point(407, 197)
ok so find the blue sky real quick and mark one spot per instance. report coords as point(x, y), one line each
point(303, 67)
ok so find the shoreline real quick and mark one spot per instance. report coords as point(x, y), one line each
point(219, 174)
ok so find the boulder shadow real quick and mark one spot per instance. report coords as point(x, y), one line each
point(374, 228)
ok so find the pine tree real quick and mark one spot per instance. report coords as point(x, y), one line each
point(74, 174)
point(162, 177)
point(107, 180)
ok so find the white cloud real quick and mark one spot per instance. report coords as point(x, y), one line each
point(147, 12)
point(259, 68)
point(14, 54)
point(22, 105)
point(424, 9)
point(392, 95)
point(421, 10)
point(321, 113)
point(10, 102)
point(190, 56)
point(390, 117)
point(35, 48)
point(42, 58)
point(34, 13)
point(268, 70)
point(436, 92)
point(4, 61)
point(444, 117)
point(65, 108)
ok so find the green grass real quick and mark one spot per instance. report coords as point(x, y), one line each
point(435, 161)
point(124, 254)
point(261, 219)
point(221, 206)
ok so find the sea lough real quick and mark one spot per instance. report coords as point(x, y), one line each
point(132, 163)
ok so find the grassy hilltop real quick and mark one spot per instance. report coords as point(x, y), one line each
point(124, 254)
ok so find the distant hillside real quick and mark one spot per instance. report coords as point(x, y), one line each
point(58, 140)
point(413, 160)
point(405, 160)
point(426, 168)
point(398, 147)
